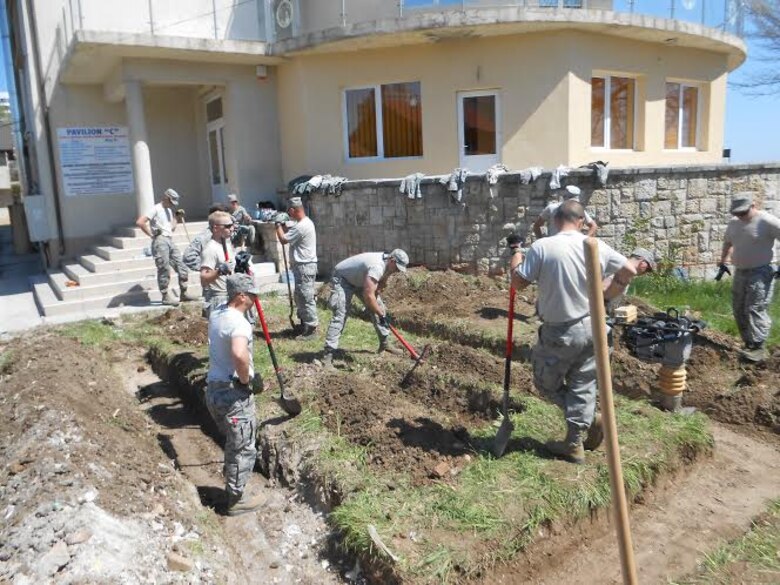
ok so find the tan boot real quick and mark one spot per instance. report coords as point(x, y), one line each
point(169, 299)
point(384, 346)
point(185, 296)
point(244, 504)
point(595, 434)
point(571, 448)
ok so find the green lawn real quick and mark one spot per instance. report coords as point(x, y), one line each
point(711, 299)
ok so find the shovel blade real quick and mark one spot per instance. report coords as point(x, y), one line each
point(290, 404)
point(502, 437)
point(426, 351)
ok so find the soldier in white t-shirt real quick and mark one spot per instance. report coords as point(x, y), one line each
point(232, 382)
point(750, 240)
point(159, 224)
point(214, 266)
point(302, 238)
point(563, 359)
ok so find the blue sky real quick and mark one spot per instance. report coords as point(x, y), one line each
point(752, 123)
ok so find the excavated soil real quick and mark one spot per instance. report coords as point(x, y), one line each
point(183, 328)
point(719, 384)
point(414, 424)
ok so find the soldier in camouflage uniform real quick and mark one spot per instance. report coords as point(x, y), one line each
point(159, 224)
point(302, 238)
point(750, 239)
point(231, 385)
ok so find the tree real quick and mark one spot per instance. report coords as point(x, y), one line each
point(764, 19)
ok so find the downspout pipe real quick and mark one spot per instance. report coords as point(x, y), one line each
point(46, 122)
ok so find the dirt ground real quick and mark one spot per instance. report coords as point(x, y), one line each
point(96, 445)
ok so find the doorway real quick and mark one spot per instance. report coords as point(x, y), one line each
point(215, 135)
point(479, 133)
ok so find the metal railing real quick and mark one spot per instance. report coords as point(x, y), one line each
point(268, 20)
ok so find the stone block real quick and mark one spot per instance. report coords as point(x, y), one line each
point(697, 188)
point(645, 209)
point(645, 190)
point(709, 205)
point(669, 183)
point(662, 208)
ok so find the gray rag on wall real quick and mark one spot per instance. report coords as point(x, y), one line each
point(327, 184)
point(410, 186)
point(530, 174)
point(557, 175)
point(491, 176)
point(455, 181)
point(600, 170)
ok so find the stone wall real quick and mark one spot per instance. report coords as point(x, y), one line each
point(681, 212)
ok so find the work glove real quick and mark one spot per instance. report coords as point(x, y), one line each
point(722, 269)
point(180, 213)
point(243, 261)
point(223, 269)
point(514, 242)
point(256, 384)
point(777, 272)
point(241, 386)
point(385, 320)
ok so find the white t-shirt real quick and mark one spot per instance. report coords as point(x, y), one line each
point(355, 268)
point(549, 212)
point(753, 241)
point(213, 256)
point(557, 265)
point(303, 241)
point(161, 220)
point(225, 324)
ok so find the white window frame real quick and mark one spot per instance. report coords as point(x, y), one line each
point(380, 133)
point(607, 77)
point(699, 92)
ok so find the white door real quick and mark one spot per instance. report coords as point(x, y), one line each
point(215, 135)
point(479, 123)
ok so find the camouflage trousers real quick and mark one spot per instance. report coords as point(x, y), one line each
point(167, 255)
point(234, 412)
point(341, 293)
point(305, 302)
point(751, 294)
point(565, 369)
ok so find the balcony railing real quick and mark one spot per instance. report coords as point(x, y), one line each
point(269, 20)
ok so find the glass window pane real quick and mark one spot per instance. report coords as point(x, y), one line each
point(479, 125)
point(621, 113)
point(690, 110)
point(361, 122)
point(597, 89)
point(222, 152)
point(402, 119)
point(216, 176)
point(671, 134)
point(214, 110)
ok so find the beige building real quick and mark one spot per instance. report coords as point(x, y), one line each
point(123, 99)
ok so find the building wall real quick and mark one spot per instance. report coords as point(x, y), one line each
point(680, 213)
point(544, 83)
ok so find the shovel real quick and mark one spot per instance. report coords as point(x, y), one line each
point(505, 430)
point(417, 357)
point(289, 288)
point(180, 215)
point(288, 402)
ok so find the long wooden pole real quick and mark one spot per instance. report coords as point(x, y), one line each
point(604, 373)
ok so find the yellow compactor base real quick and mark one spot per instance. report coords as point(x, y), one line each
point(672, 381)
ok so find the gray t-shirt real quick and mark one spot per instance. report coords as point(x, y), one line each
point(549, 212)
point(355, 268)
point(214, 255)
point(161, 220)
point(557, 265)
point(753, 241)
point(241, 216)
point(193, 253)
point(225, 324)
point(303, 241)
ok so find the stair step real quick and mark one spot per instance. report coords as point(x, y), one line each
point(194, 227)
point(86, 277)
point(141, 243)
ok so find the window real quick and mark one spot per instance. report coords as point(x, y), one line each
point(384, 121)
point(682, 113)
point(612, 112)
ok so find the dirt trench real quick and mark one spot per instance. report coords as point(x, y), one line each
point(287, 541)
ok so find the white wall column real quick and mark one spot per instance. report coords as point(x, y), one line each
point(142, 163)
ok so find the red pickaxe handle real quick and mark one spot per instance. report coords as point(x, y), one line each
point(409, 348)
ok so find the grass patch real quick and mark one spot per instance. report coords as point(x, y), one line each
point(753, 558)
point(711, 299)
point(92, 333)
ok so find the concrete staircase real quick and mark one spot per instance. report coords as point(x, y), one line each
point(121, 273)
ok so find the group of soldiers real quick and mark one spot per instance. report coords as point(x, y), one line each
point(564, 369)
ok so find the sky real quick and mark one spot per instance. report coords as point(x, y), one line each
point(752, 123)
